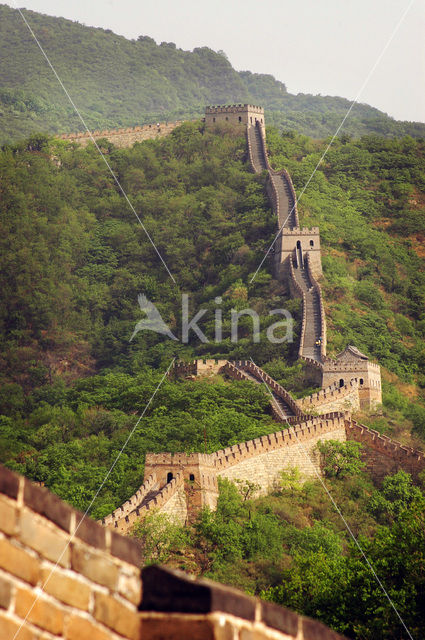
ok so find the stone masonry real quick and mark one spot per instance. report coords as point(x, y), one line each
point(235, 114)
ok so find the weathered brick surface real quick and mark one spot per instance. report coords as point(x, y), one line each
point(90, 532)
point(9, 483)
point(38, 535)
point(18, 562)
point(69, 590)
point(177, 628)
point(39, 611)
point(8, 516)
point(130, 585)
point(10, 628)
point(94, 566)
point(45, 503)
point(5, 592)
point(173, 591)
point(79, 628)
point(127, 549)
point(279, 618)
point(117, 616)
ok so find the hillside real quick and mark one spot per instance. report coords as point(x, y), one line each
point(118, 82)
point(73, 261)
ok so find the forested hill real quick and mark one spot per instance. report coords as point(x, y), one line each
point(118, 82)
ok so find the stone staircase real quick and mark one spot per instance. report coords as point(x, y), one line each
point(287, 215)
point(258, 158)
point(312, 332)
point(283, 403)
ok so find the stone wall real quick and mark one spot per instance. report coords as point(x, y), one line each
point(63, 577)
point(198, 368)
point(124, 137)
point(264, 469)
point(368, 374)
point(309, 240)
point(174, 607)
point(384, 456)
point(163, 500)
point(333, 398)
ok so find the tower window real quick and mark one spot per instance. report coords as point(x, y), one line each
point(341, 382)
point(311, 243)
point(169, 476)
point(361, 380)
point(240, 118)
point(192, 477)
point(227, 118)
point(214, 119)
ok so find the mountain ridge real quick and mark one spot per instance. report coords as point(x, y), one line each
point(119, 82)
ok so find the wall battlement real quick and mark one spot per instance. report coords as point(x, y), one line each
point(384, 456)
point(124, 137)
point(235, 114)
point(234, 108)
point(194, 477)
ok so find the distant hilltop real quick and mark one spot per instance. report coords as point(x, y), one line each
point(117, 82)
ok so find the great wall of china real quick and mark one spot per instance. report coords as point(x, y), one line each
point(124, 137)
point(64, 576)
point(180, 484)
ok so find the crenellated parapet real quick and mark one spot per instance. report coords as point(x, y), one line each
point(123, 137)
point(333, 397)
point(234, 114)
point(383, 455)
point(136, 500)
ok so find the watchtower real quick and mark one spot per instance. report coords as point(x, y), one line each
point(239, 114)
point(200, 476)
point(352, 364)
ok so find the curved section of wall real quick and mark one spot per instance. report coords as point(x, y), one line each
point(169, 499)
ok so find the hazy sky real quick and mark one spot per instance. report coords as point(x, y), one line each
point(313, 46)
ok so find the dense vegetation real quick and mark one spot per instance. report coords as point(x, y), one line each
point(73, 261)
point(119, 82)
point(291, 547)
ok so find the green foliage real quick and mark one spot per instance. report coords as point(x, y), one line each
point(340, 459)
point(395, 496)
point(161, 537)
point(292, 548)
point(132, 82)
